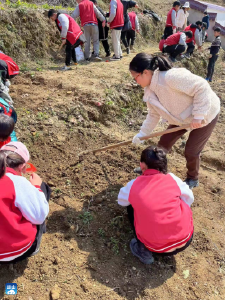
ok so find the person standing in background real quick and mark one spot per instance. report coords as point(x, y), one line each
point(205, 20)
point(131, 34)
point(89, 13)
point(127, 23)
point(214, 52)
point(116, 22)
point(182, 16)
point(103, 31)
point(171, 25)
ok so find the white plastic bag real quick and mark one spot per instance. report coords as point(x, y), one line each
point(79, 53)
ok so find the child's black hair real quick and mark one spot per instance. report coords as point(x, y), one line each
point(51, 12)
point(6, 126)
point(155, 158)
point(9, 159)
point(176, 3)
point(189, 34)
point(217, 29)
point(198, 23)
point(144, 61)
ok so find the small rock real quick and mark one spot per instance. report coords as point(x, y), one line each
point(71, 248)
point(50, 183)
point(32, 129)
point(55, 293)
point(134, 269)
point(69, 92)
point(57, 260)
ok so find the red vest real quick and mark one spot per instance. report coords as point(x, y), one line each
point(74, 31)
point(13, 69)
point(87, 13)
point(161, 44)
point(118, 21)
point(16, 233)
point(5, 142)
point(162, 220)
point(132, 16)
point(169, 18)
point(173, 39)
point(193, 31)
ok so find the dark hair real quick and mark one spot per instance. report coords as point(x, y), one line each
point(144, 61)
point(51, 12)
point(189, 34)
point(6, 126)
point(94, 1)
point(198, 23)
point(176, 3)
point(9, 159)
point(155, 158)
point(205, 12)
point(217, 29)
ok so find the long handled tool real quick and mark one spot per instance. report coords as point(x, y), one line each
point(186, 126)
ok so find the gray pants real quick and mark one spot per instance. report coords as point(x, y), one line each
point(91, 33)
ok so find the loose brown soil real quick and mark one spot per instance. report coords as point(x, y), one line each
point(85, 251)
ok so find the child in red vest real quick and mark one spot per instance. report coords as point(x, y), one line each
point(116, 22)
point(196, 38)
point(175, 44)
point(8, 69)
point(171, 25)
point(89, 14)
point(131, 34)
point(158, 205)
point(71, 34)
point(23, 205)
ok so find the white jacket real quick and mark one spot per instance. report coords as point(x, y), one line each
point(181, 20)
point(178, 96)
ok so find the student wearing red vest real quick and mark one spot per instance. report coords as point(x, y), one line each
point(175, 44)
point(171, 20)
point(89, 14)
point(131, 34)
point(23, 205)
point(158, 205)
point(71, 34)
point(196, 38)
point(8, 68)
point(116, 22)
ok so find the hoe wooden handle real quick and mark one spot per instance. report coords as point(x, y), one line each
point(186, 126)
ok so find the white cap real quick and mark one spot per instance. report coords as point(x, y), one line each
point(186, 5)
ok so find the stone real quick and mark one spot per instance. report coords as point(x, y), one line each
point(55, 293)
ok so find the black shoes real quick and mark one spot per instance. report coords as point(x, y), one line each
point(192, 183)
point(139, 250)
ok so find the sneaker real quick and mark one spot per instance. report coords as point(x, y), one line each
point(192, 183)
point(210, 80)
point(139, 250)
point(138, 170)
point(97, 58)
point(115, 58)
point(187, 56)
point(87, 59)
point(108, 54)
point(128, 50)
point(65, 68)
point(207, 79)
point(172, 59)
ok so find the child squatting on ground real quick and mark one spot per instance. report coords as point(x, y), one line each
point(7, 133)
point(158, 205)
point(23, 205)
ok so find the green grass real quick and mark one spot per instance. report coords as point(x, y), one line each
point(86, 217)
point(23, 4)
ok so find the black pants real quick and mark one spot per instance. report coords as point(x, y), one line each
point(190, 48)
point(131, 36)
point(167, 32)
point(105, 44)
point(70, 49)
point(174, 50)
point(3, 70)
point(130, 212)
point(211, 66)
point(124, 38)
point(40, 230)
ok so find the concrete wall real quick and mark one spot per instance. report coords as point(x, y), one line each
point(223, 41)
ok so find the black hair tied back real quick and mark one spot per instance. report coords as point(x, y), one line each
point(2, 163)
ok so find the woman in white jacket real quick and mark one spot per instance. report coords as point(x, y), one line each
point(182, 16)
point(180, 97)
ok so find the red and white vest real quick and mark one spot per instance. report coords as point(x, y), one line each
point(74, 31)
point(87, 13)
point(162, 220)
point(169, 18)
point(193, 29)
point(132, 16)
point(13, 68)
point(173, 39)
point(118, 21)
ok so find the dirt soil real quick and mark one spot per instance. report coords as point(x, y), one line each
point(85, 252)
